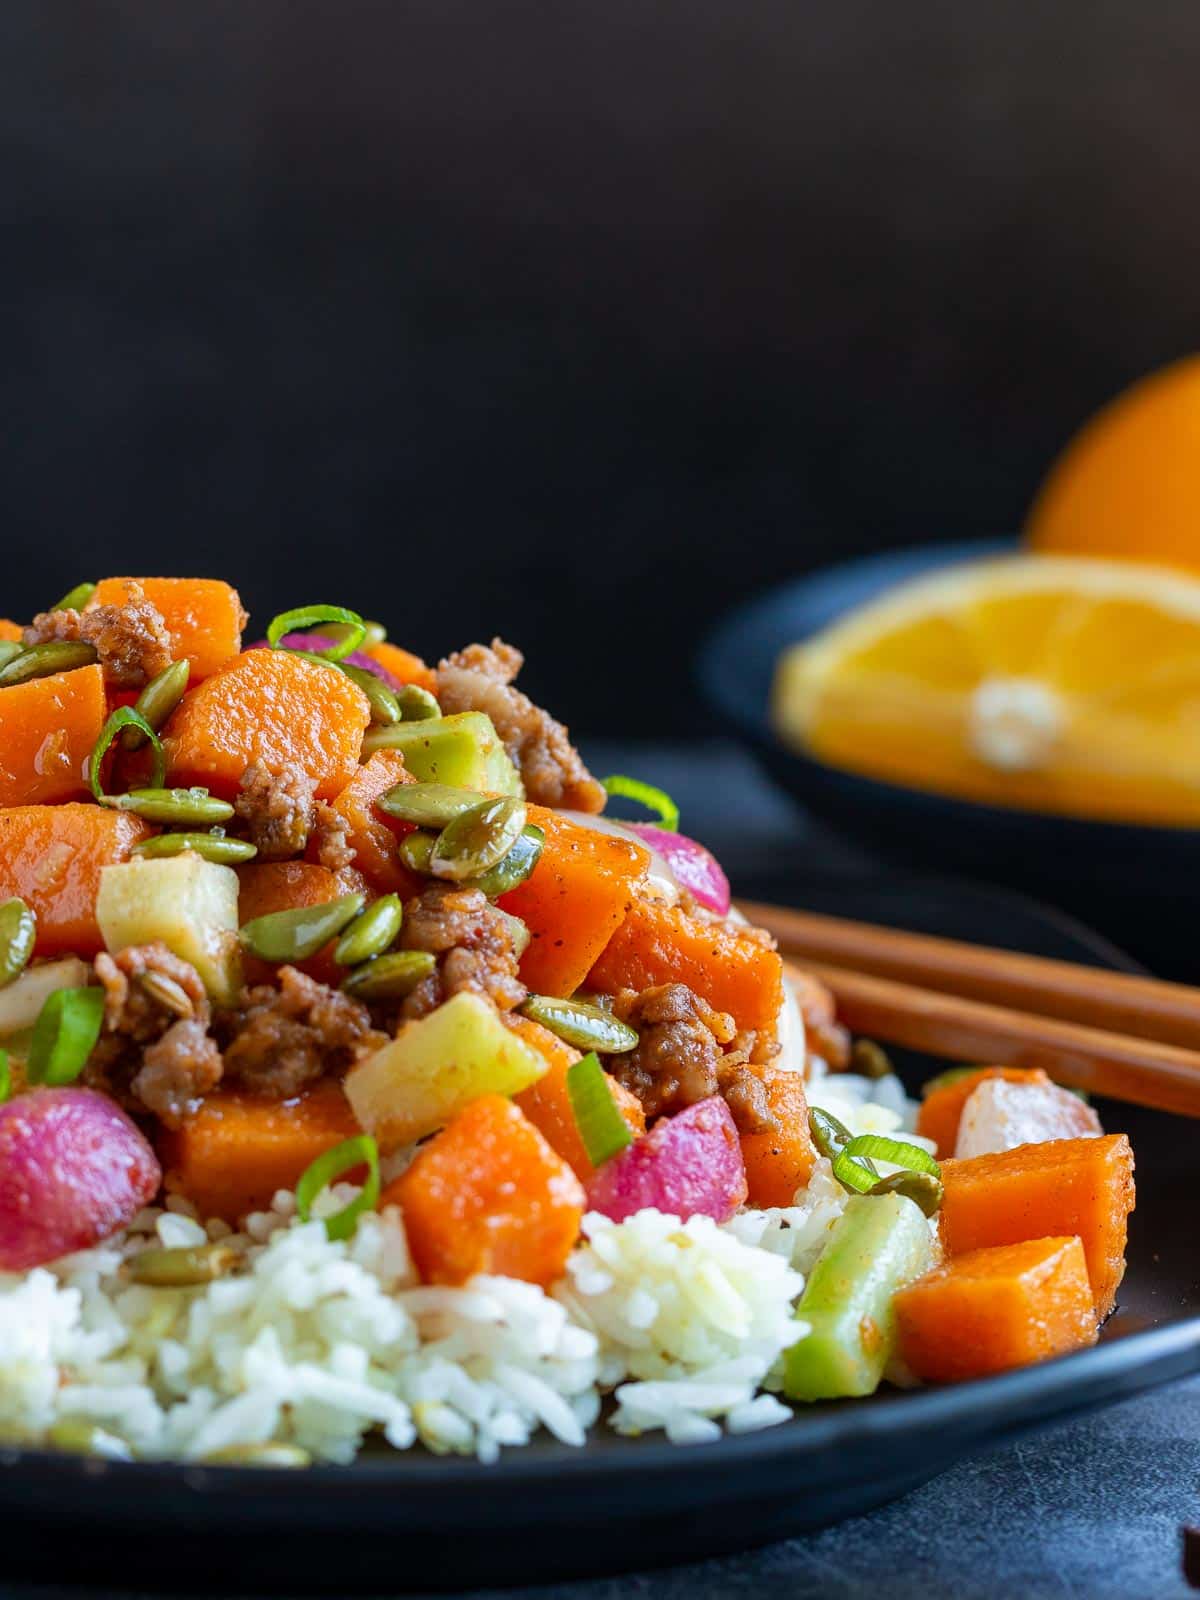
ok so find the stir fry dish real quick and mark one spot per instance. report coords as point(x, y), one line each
point(360, 1080)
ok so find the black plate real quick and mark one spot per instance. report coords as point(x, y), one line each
point(414, 1521)
point(1134, 882)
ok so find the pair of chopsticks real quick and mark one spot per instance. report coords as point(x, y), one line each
point(1131, 1038)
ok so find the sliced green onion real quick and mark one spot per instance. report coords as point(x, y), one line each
point(75, 599)
point(832, 1138)
point(126, 717)
point(327, 1169)
point(5, 1077)
point(305, 618)
point(647, 795)
point(64, 1035)
point(603, 1129)
point(848, 1166)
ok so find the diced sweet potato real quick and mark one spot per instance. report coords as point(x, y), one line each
point(1000, 1115)
point(723, 964)
point(270, 886)
point(994, 1309)
point(688, 1165)
point(52, 857)
point(232, 1155)
point(1038, 1191)
point(203, 616)
point(371, 833)
point(12, 632)
point(941, 1110)
point(547, 1103)
point(402, 665)
point(488, 1194)
point(780, 1161)
point(272, 706)
point(574, 900)
point(48, 730)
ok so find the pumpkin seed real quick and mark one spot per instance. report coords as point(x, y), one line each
point(80, 1438)
point(296, 935)
point(376, 634)
point(9, 650)
point(258, 1455)
point(428, 805)
point(870, 1060)
point(417, 704)
point(187, 808)
point(370, 934)
point(18, 931)
point(43, 660)
point(416, 849)
point(921, 1187)
point(479, 839)
point(385, 708)
point(183, 1267)
point(517, 864)
point(172, 996)
point(390, 977)
point(75, 599)
point(208, 846)
point(585, 1026)
point(157, 701)
point(519, 931)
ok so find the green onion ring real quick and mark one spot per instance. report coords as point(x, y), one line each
point(602, 1128)
point(304, 618)
point(64, 1036)
point(126, 717)
point(645, 794)
point(5, 1077)
point(326, 1169)
point(849, 1171)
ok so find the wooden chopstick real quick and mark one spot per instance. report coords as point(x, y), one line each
point(1118, 1002)
point(1120, 1066)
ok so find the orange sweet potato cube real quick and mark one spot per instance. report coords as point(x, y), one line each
point(991, 1310)
point(547, 1103)
point(1038, 1191)
point(780, 1160)
point(488, 1194)
point(52, 857)
point(371, 833)
point(204, 616)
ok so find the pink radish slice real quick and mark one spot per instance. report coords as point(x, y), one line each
point(688, 1165)
point(74, 1170)
point(695, 868)
point(317, 642)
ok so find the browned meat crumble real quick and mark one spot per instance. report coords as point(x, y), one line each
point(155, 1053)
point(480, 678)
point(688, 1052)
point(330, 832)
point(280, 1039)
point(473, 942)
point(131, 641)
point(276, 804)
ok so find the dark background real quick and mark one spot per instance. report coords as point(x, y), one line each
point(574, 322)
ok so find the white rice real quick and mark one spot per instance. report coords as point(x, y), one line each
point(319, 1344)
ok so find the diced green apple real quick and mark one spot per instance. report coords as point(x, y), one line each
point(436, 1066)
point(463, 750)
point(879, 1244)
point(187, 902)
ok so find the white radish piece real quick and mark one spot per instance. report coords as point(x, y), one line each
point(1000, 1115)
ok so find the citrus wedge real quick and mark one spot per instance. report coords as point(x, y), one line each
point(1055, 683)
point(1128, 483)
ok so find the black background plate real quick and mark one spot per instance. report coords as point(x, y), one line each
point(416, 1521)
point(1136, 883)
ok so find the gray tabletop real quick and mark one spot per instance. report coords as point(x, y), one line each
point(1090, 1508)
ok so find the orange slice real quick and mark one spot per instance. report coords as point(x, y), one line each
point(1055, 683)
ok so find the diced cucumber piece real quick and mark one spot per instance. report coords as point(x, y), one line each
point(22, 1000)
point(187, 902)
point(879, 1244)
point(463, 750)
point(435, 1067)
